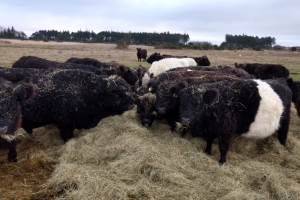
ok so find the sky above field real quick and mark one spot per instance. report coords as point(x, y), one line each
point(203, 20)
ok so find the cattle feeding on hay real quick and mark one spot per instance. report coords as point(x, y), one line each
point(249, 108)
point(75, 99)
point(12, 99)
point(201, 61)
point(163, 104)
point(265, 71)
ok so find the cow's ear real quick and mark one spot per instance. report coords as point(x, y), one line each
point(175, 89)
point(122, 68)
point(26, 92)
point(211, 96)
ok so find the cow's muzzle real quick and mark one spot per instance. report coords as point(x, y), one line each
point(3, 130)
point(185, 121)
point(161, 110)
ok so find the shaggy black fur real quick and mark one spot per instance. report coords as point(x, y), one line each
point(174, 75)
point(226, 69)
point(141, 54)
point(222, 110)
point(264, 71)
point(75, 99)
point(40, 63)
point(12, 98)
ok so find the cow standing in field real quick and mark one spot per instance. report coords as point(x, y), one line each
point(201, 61)
point(141, 54)
point(265, 71)
point(250, 108)
point(12, 99)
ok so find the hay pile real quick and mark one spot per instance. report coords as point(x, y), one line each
point(119, 159)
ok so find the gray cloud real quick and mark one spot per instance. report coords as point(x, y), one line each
point(203, 20)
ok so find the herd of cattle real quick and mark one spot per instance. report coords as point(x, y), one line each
point(252, 100)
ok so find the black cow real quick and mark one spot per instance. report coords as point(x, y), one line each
point(109, 68)
point(146, 108)
point(139, 71)
point(201, 61)
point(100, 69)
point(40, 63)
point(13, 97)
point(87, 61)
point(163, 103)
point(251, 108)
point(75, 99)
point(265, 71)
point(141, 54)
point(295, 88)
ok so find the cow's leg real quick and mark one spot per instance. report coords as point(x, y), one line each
point(209, 142)
point(223, 147)
point(12, 151)
point(66, 132)
point(284, 128)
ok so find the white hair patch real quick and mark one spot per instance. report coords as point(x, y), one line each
point(267, 119)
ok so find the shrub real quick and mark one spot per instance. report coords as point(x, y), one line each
point(294, 49)
point(122, 44)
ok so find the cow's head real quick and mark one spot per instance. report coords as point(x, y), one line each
point(118, 94)
point(154, 57)
point(12, 99)
point(146, 108)
point(128, 74)
point(193, 103)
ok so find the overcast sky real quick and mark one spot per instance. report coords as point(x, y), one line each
point(203, 20)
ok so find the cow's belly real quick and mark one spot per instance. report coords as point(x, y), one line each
point(267, 119)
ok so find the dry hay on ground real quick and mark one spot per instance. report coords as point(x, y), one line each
point(120, 159)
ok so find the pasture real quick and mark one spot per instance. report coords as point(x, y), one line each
point(120, 159)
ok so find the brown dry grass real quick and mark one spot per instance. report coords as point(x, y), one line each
point(120, 159)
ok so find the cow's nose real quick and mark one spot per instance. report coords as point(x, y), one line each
point(3, 129)
point(146, 122)
point(162, 110)
point(186, 121)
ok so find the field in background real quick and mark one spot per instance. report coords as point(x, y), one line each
point(120, 159)
point(12, 50)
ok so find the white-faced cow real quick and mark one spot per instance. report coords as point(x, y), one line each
point(250, 108)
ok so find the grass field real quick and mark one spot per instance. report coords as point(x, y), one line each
point(120, 159)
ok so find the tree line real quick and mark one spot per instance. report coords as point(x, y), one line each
point(111, 36)
point(11, 33)
point(165, 39)
point(246, 41)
